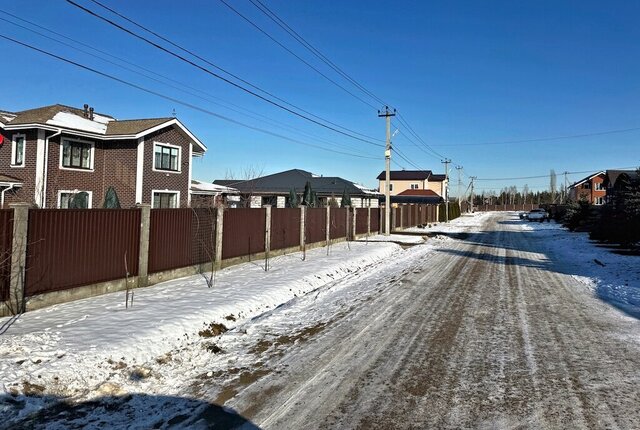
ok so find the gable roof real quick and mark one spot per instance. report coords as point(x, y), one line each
point(295, 179)
point(102, 126)
point(583, 180)
point(400, 175)
point(425, 193)
point(613, 175)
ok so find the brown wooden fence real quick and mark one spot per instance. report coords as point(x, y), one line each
point(316, 225)
point(6, 237)
point(375, 220)
point(338, 223)
point(75, 247)
point(285, 228)
point(361, 220)
point(243, 232)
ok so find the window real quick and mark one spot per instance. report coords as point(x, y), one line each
point(74, 199)
point(586, 185)
point(390, 186)
point(166, 157)
point(415, 186)
point(599, 186)
point(599, 201)
point(77, 154)
point(165, 199)
point(17, 150)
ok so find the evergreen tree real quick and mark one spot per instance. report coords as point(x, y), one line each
point(346, 199)
point(307, 196)
point(293, 198)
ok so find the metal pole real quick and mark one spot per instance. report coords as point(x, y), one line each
point(387, 157)
point(446, 162)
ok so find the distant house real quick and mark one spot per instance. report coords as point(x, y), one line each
point(591, 189)
point(59, 157)
point(414, 182)
point(275, 189)
point(615, 180)
point(208, 195)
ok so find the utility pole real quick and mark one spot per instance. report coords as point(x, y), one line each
point(446, 162)
point(473, 178)
point(566, 188)
point(387, 158)
point(459, 169)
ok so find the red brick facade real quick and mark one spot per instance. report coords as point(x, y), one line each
point(114, 165)
point(591, 190)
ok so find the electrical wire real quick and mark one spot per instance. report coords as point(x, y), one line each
point(311, 66)
point(177, 101)
point(350, 133)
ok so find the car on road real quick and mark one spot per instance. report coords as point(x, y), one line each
point(537, 215)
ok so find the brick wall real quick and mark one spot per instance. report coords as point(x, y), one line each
point(114, 165)
point(156, 180)
point(26, 174)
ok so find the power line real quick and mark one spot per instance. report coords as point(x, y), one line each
point(282, 24)
point(406, 123)
point(546, 139)
point(547, 175)
point(180, 102)
point(311, 66)
point(195, 92)
point(350, 133)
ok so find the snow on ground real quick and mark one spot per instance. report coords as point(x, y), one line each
point(96, 347)
point(612, 277)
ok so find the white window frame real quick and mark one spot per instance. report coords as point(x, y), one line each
point(166, 192)
point(598, 201)
point(92, 153)
point(153, 158)
point(414, 186)
point(599, 186)
point(13, 149)
point(61, 192)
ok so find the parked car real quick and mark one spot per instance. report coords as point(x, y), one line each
point(537, 215)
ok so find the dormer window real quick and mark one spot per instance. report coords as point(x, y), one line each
point(17, 150)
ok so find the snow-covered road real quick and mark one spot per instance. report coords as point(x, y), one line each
point(491, 323)
point(485, 333)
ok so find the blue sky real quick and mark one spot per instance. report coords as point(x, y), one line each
point(461, 73)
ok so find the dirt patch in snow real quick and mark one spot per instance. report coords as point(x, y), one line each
point(212, 330)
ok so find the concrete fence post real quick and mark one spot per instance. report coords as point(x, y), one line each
point(346, 228)
point(354, 225)
point(143, 250)
point(328, 232)
point(267, 236)
point(303, 222)
point(18, 257)
point(219, 230)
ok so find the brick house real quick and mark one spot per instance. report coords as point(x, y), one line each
point(412, 181)
point(58, 157)
point(591, 189)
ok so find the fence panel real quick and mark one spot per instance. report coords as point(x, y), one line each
point(397, 217)
point(285, 228)
point(203, 235)
point(316, 225)
point(6, 239)
point(361, 220)
point(379, 222)
point(68, 248)
point(406, 214)
point(243, 232)
point(338, 223)
point(169, 239)
point(415, 213)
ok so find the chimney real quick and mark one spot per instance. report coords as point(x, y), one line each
point(86, 110)
point(91, 113)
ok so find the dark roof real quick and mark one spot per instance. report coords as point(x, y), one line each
point(612, 175)
point(424, 193)
point(427, 200)
point(437, 178)
point(399, 175)
point(134, 126)
point(42, 114)
point(296, 179)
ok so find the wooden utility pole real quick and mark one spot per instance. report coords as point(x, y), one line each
point(387, 158)
point(473, 179)
point(459, 169)
point(446, 162)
